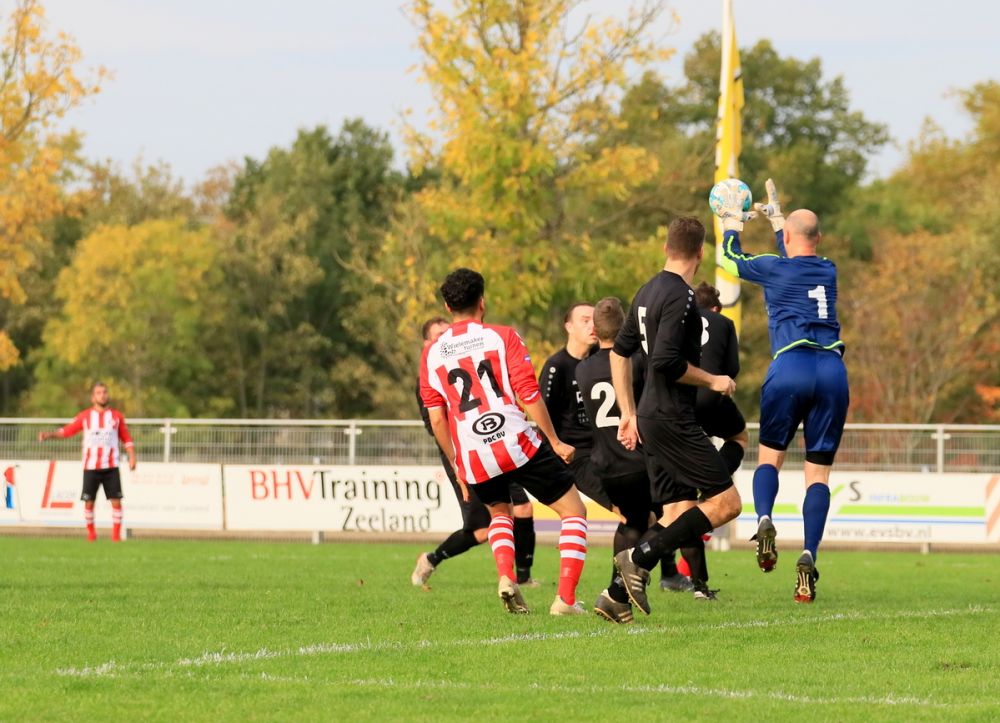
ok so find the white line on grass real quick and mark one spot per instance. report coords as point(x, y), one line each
point(664, 689)
point(112, 668)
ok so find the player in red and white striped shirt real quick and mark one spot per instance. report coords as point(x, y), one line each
point(102, 429)
point(471, 380)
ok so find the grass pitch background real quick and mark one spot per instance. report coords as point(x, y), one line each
point(168, 630)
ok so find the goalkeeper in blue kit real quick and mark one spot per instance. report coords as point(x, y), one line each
point(806, 382)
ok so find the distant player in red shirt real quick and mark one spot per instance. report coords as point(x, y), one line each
point(471, 380)
point(102, 429)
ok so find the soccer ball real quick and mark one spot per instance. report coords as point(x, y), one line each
point(723, 191)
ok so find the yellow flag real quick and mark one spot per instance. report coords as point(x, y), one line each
point(728, 140)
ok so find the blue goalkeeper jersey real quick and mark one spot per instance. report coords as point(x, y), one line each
point(800, 294)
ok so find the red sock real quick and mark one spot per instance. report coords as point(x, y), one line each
point(88, 517)
point(572, 553)
point(116, 524)
point(501, 537)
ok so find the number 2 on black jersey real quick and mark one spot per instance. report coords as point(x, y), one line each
point(606, 393)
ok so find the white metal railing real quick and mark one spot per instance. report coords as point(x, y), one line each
point(875, 447)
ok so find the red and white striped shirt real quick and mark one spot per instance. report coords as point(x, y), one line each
point(477, 372)
point(102, 428)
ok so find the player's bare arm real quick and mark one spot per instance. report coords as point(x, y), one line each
point(716, 382)
point(539, 413)
point(439, 424)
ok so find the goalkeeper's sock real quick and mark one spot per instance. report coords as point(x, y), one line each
point(814, 511)
point(765, 489)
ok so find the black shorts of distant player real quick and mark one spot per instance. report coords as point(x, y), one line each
point(682, 462)
point(630, 493)
point(109, 479)
point(718, 415)
point(544, 476)
point(587, 480)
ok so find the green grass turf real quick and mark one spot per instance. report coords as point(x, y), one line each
point(184, 630)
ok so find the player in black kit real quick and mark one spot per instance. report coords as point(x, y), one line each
point(475, 516)
point(622, 472)
point(687, 474)
point(717, 414)
point(564, 402)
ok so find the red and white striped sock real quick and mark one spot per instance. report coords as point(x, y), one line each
point(572, 553)
point(88, 516)
point(501, 537)
point(116, 523)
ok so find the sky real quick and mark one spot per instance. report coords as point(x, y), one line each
point(198, 83)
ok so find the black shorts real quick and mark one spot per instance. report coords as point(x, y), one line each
point(475, 516)
point(109, 479)
point(718, 415)
point(545, 476)
point(587, 480)
point(630, 494)
point(682, 462)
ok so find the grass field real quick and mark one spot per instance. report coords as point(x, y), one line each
point(168, 630)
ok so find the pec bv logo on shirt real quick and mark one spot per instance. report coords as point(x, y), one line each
point(488, 424)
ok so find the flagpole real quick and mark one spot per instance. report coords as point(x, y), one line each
point(728, 139)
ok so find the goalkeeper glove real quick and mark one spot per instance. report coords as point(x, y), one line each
point(732, 214)
point(772, 209)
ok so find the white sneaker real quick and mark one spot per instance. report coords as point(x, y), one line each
point(510, 594)
point(558, 607)
point(422, 572)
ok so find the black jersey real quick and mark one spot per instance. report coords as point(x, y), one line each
point(593, 374)
point(424, 414)
point(563, 400)
point(720, 350)
point(665, 324)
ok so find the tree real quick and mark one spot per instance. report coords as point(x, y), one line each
point(136, 307)
point(102, 195)
point(38, 86)
point(923, 319)
point(905, 355)
point(797, 126)
point(297, 226)
point(522, 97)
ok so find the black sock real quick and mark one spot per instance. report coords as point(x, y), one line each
point(659, 540)
point(625, 537)
point(694, 552)
point(458, 542)
point(616, 590)
point(524, 547)
point(732, 454)
point(668, 568)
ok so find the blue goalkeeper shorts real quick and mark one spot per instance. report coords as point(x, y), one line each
point(809, 387)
